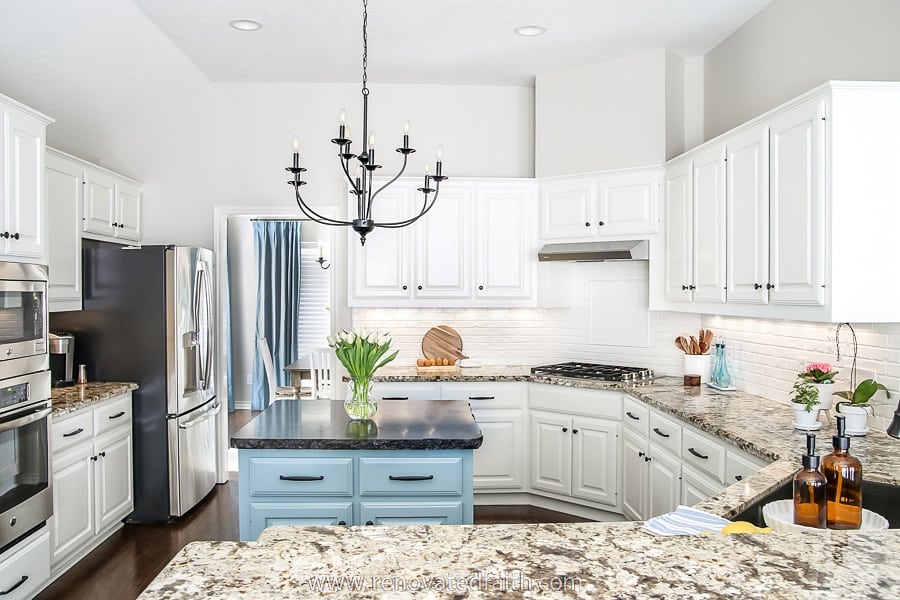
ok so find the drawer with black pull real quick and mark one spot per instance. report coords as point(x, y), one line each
point(636, 416)
point(665, 432)
point(68, 431)
point(301, 476)
point(702, 452)
point(410, 476)
point(112, 414)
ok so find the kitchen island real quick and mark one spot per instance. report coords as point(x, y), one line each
point(304, 462)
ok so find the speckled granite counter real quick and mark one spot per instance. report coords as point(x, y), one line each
point(588, 560)
point(398, 425)
point(409, 374)
point(69, 399)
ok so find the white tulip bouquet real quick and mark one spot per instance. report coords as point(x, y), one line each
point(362, 352)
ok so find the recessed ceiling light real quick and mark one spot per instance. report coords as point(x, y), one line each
point(245, 24)
point(529, 30)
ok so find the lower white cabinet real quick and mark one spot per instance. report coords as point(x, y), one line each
point(25, 568)
point(575, 456)
point(664, 481)
point(92, 482)
point(499, 462)
point(651, 479)
point(696, 487)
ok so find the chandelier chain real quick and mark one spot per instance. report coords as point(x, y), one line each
point(365, 60)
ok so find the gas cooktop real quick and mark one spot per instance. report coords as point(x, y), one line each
point(580, 370)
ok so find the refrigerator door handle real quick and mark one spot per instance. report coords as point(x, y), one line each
point(198, 279)
point(213, 410)
point(207, 351)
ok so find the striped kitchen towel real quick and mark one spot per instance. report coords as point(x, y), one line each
point(685, 521)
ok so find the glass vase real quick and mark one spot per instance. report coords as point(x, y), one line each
point(360, 403)
point(721, 377)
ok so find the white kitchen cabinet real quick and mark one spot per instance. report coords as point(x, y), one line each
point(64, 187)
point(678, 255)
point(551, 455)
point(664, 482)
point(747, 211)
point(25, 567)
point(385, 390)
point(600, 205)
point(92, 479)
point(708, 284)
point(112, 206)
point(475, 247)
point(23, 204)
point(635, 487)
point(499, 464)
point(696, 487)
point(739, 466)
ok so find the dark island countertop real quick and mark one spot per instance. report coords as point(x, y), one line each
point(398, 425)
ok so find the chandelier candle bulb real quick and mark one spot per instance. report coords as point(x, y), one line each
point(296, 147)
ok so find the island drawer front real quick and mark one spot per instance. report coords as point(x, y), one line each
point(603, 404)
point(70, 431)
point(112, 414)
point(665, 432)
point(702, 452)
point(636, 416)
point(486, 395)
point(410, 513)
point(268, 514)
point(418, 476)
point(301, 476)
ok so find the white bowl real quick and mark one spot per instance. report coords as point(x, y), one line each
point(779, 515)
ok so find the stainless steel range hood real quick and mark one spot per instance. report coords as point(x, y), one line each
point(595, 251)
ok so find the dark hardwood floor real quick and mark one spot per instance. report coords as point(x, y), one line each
point(127, 562)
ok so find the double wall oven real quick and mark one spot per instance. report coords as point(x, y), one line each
point(25, 501)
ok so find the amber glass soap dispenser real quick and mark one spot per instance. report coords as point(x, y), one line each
point(843, 474)
point(809, 489)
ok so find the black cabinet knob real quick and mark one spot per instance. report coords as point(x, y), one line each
point(404, 287)
point(369, 523)
point(418, 287)
point(647, 459)
point(121, 225)
point(565, 429)
point(692, 287)
point(342, 522)
point(601, 223)
point(770, 286)
point(103, 454)
point(587, 224)
point(115, 224)
point(684, 288)
point(641, 454)
point(757, 286)
point(738, 477)
point(15, 236)
point(94, 458)
point(5, 234)
point(574, 431)
point(480, 287)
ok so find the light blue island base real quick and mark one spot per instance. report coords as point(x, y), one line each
point(353, 487)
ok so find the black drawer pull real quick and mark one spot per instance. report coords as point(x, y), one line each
point(103, 454)
point(481, 397)
point(342, 522)
point(410, 477)
point(631, 416)
point(15, 586)
point(117, 415)
point(738, 477)
point(697, 454)
point(660, 433)
point(76, 432)
point(301, 477)
point(395, 397)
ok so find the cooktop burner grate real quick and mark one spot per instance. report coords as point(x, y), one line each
point(581, 370)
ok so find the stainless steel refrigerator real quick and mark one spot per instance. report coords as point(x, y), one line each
point(148, 317)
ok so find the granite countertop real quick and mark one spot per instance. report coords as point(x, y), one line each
point(398, 425)
point(69, 399)
point(396, 374)
point(593, 560)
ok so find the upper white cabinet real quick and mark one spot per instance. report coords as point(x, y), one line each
point(475, 247)
point(792, 212)
point(600, 205)
point(84, 200)
point(23, 226)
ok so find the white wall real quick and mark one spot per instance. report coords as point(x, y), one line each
point(675, 105)
point(602, 116)
point(792, 46)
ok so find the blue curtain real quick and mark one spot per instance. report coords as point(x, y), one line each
point(277, 245)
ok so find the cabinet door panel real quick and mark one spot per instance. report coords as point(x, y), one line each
point(410, 513)
point(499, 462)
point(99, 203)
point(443, 260)
point(567, 210)
point(73, 501)
point(380, 269)
point(748, 217)
point(665, 482)
point(797, 200)
point(268, 514)
point(25, 203)
point(634, 476)
point(595, 460)
point(628, 204)
point(696, 487)
point(551, 459)
point(113, 476)
point(504, 239)
point(709, 225)
point(64, 189)
point(128, 209)
point(679, 231)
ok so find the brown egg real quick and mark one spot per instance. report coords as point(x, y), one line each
point(446, 362)
point(420, 362)
point(429, 362)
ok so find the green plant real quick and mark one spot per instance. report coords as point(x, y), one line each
point(818, 372)
point(862, 394)
point(362, 351)
point(805, 393)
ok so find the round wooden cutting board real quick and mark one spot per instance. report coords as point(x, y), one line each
point(442, 342)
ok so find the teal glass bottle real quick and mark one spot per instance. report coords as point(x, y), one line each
point(720, 376)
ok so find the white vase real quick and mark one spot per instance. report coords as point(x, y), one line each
point(805, 420)
point(826, 395)
point(698, 364)
point(856, 418)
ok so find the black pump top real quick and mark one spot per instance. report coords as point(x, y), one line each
point(841, 441)
point(810, 460)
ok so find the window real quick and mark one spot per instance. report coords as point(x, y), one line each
point(314, 325)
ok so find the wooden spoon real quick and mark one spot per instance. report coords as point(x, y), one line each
point(702, 338)
point(678, 344)
point(695, 346)
point(685, 344)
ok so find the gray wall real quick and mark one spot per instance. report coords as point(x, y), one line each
point(793, 46)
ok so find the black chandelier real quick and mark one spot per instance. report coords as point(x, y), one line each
point(362, 187)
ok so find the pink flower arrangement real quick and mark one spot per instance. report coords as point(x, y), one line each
point(818, 372)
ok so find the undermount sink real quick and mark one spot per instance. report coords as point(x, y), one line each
point(881, 498)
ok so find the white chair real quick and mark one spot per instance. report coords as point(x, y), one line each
point(277, 391)
point(320, 367)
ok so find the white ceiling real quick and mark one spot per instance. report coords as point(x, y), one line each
point(435, 41)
